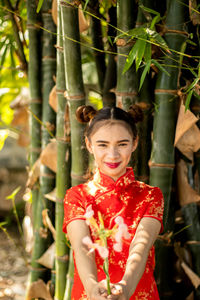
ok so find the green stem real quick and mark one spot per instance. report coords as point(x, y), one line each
point(108, 278)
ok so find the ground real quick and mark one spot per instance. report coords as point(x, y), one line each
point(13, 266)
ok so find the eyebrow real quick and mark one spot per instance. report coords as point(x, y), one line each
point(121, 141)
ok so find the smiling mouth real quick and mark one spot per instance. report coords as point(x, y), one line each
point(113, 165)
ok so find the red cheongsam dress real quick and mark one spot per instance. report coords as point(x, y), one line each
point(129, 199)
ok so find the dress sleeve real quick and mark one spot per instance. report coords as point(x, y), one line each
point(73, 207)
point(155, 206)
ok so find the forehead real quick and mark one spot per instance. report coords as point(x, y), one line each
point(112, 130)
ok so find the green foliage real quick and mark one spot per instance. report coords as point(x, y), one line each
point(3, 137)
point(144, 37)
point(12, 78)
point(40, 2)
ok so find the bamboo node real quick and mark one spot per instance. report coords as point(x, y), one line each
point(36, 101)
point(193, 242)
point(59, 48)
point(33, 26)
point(48, 58)
point(36, 150)
point(47, 175)
point(144, 105)
point(60, 92)
point(37, 269)
point(64, 140)
point(167, 30)
point(79, 177)
point(74, 97)
point(74, 3)
point(126, 94)
point(63, 258)
point(173, 92)
point(161, 165)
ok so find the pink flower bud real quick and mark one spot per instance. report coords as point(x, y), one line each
point(89, 212)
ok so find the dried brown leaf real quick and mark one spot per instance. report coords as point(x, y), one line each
point(38, 289)
point(47, 259)
point(49, 156)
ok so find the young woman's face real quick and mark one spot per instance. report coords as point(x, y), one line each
point(112, 146)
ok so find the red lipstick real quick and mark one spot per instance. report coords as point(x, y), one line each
point(113, 165)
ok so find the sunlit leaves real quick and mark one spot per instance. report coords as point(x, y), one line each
point(3, 137)
point(144, 73)
point(40, 2)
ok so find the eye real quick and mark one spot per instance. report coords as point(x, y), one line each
point(123, 144)
point(102, 145)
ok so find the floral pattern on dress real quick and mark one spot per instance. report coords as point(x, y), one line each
point(129, 199)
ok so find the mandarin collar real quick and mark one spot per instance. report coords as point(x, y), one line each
point(106, 181)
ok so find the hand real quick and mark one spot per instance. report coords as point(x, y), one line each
point(119, 291)
point(99, 291)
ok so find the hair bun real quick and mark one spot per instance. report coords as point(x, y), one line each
point(85, 113)
point(136, 112)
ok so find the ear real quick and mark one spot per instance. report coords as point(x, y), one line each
point(88, 145)
point(135, 143)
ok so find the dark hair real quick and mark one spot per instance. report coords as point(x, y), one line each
point(85, 114)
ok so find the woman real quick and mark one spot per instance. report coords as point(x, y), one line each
point(111, 136)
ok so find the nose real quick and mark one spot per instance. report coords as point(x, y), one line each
point(113, 153)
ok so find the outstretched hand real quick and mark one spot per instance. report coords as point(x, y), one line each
point(99, 291)
point(118, 292)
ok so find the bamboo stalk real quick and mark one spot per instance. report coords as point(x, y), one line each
point(34, 74)
point(63, 169)
point(96, 35)
point(70, 278)
point(162, 155)
point(165, 116)
point(143, 151)
point(109, 98)
point(47, 177)
point(76, 97)
point(74, 90)
point(127, 84)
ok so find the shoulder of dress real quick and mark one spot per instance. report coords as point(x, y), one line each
point(145, 186)
point(76, 189)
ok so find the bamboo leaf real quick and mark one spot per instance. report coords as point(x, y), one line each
point(39, 5)
point(4, 55)
point(147, 52)
point(155, 36)
point(155, 20)
point(140, 53)
point(131, 57)
point(183, 47)
point(159, 66)
point(2, 224)
point(188, 99)
point(135, 32)
point(192, 85)
point(152, 11)
point(14, 193)
point(86, 3)
point(144, 73)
